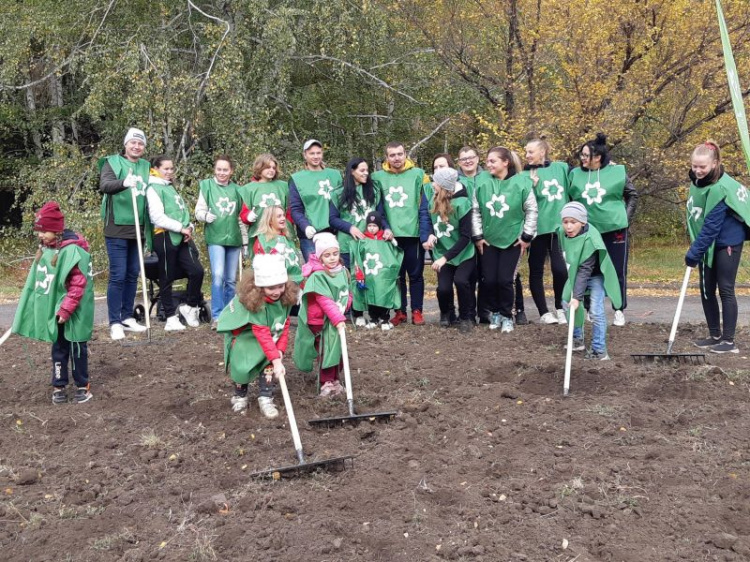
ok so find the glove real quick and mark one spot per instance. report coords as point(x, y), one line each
point(310, 232)
point(251, 216)
point(130, 181)
point(690, 262)
point(210, 217)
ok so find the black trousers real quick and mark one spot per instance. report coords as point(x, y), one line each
point(617, 248)
point(721, 275)
point(499, 273)
point(462, 276)
point(542, 246)
point(177, 262)
point(378, 313)
point(413, 266)
point(64, 352)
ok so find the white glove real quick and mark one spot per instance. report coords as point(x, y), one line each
point(310, 232)
point(130, 181)
point(251, 216)
point(210, 217)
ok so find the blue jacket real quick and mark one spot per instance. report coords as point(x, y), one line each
point(720, 226)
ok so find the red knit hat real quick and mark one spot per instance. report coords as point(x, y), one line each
point(49, 218)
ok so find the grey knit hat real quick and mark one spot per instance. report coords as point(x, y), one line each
point(446, 178)
point(575, 210)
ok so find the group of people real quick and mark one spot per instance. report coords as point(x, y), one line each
point(363, 238)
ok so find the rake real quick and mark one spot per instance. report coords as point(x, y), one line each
point(693, 358)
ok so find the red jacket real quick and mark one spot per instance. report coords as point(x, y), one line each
point(75, 284)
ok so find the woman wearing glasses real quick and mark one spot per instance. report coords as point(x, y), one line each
point(610, 198)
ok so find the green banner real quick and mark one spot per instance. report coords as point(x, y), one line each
point(734, 85)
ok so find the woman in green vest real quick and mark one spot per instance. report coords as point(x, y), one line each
point(219, 206)
point(718, 215)
point(550, 181)
point(610, 198)
point(451, 247)
point(172, 235)
point(503, 226)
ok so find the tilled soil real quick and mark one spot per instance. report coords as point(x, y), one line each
point(486, 461)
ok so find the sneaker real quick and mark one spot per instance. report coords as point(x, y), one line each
point(506, 325)
point(190, 314)
point(370, 326)
point(619, 318)
point(549, 318)
point(326, 390)
point(562, 318)
point(399, 318)
point(578, 344)
point(267, 407)
point(386, 326)
point(173, 324)
point(521, 319)
point(725, 347)
point(710, 341)
point(596, 355)
point(465, 326)
point(117, 332)
point(59, 396)
point(447, 319)
point(214, 325)
point(495, 320)
point(239, 403)
point(132, 326)
point(416, 318)
point(360, 322)
point(83, 394)
point(588, 316)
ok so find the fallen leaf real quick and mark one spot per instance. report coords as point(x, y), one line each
point(565, 544)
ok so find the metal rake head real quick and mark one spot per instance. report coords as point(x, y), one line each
point(688, 358)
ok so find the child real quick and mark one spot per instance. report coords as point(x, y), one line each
point(57, 302)
point(326, 298)
point(272, 238)
point(256, 331)
point(589, 269)
point(718, 215)
point(376, 263)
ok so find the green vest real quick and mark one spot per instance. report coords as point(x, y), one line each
point(551, 195)
point(283, 246)
point(258, 196)
point(501, 207)
point(224, 202)
point(380, 262)
point(122, 202)
point(401, 195)
point(357, 215)
point(315, 189)
point(702, 200)
point(577, 250)
point(243, 356)
point(44, 292)
point(601, 192)
point(174, 207)
point(448, 234)
point(337, 289)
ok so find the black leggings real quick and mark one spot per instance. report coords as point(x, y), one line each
point(177, 262)
point(617, 248)
point(462, 277)
point(498, 275)
point(541, 246)
point(722, 275)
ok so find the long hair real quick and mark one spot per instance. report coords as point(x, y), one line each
point(253, 298)
point(265, 222)
point(442, 205)
point(348, 197)
point(40, 250)
point(264, 161)
point(710, 149)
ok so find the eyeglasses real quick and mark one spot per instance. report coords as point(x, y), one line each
point(585, 155)
point(468, 158)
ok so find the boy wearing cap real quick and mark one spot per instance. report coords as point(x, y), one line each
point(590, 269)
point(57, 302)
point(119, 174)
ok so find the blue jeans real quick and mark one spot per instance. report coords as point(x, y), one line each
point(224, 262)
point(124, 267)
point(307, 247)
point(598, 316)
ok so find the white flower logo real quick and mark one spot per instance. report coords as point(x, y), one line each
point(140, 186)
point(372, 264)
point(270, 200)
point(442, 228)
point(742, 193)
point(46, 285)
point(277, 330)
point(356, 210)
point(180, 203)
point(342, 300)
point(593, 193)
point(396, 196)
point(497, 206)
point(225, 206)
point(325, 189)
point(552, 190)
point(692, 210)
point(288, 252)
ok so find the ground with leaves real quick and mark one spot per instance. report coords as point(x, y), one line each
point(486, 460)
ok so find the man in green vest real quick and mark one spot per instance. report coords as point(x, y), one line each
point(401, 189)
point(119, 174)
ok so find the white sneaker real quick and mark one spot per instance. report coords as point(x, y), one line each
point(386, 326)
point(561, 316)
point(371, 326)
point(173, 324)
point(619, 318)
point(190, 314)
point(360, 322)
point(132, 326)
point(239, 403)
point(549, 318)
point(506, 325)
point(495, 319)
point(116, 332)
point(267, 407)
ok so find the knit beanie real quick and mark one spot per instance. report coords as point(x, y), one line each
point(269, 270)
point(446, 178)
point(324, 241)
point(136, 134)
point(575, 210)
point(374, 217)
point(49, 218)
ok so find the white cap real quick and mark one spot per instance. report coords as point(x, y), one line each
point(136, 134)
point(270, 270)
point(309, 143)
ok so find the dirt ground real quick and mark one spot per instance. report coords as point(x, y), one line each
point(486, 460)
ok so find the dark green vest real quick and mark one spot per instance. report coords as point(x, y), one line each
point(174, 207)
point(122, 202)
point(601, 192)
point(401, 195)
point(316, 189)
point(258, 196)
point(380, 262)
point(448, 234)
point(501, 207)
point(551, 195)
point(224, 202)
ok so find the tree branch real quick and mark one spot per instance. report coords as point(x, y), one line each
point(428, 137)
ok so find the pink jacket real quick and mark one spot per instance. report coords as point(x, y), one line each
point(320, 307)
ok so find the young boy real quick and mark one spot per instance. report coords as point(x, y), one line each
point(589, 269)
